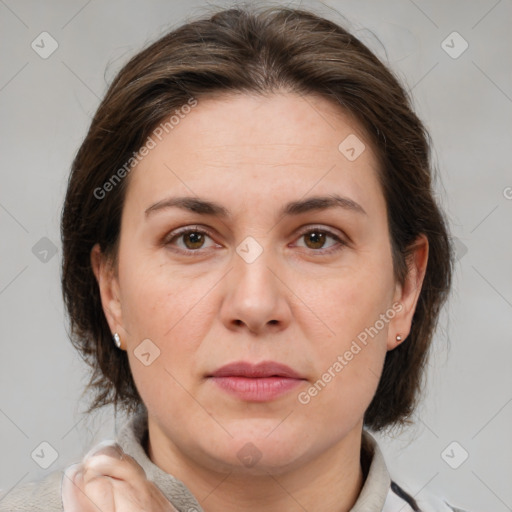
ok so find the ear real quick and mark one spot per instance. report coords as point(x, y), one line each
point(109, 289)
point(407, 294)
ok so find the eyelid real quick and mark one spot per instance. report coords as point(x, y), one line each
point(319, 227)
point(340, 239)
point(176, 233)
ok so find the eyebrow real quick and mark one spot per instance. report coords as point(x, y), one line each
point(204, 207)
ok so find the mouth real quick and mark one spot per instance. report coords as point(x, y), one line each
point(260, 382)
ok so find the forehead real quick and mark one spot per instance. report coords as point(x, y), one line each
point(301, 123)
point(250, 142)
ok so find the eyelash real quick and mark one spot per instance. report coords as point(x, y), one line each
point(189, 252)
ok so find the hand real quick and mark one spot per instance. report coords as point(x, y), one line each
point(109, 480)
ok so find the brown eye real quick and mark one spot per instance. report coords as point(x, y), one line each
point(190, 240)
point(193, 239)
point(315, 239)
point(320, 241)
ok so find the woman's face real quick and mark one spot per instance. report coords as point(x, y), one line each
point(280, 253)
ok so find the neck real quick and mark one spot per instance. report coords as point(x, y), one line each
point(330, 482)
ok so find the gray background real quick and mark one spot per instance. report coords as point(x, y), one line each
point(45, 108)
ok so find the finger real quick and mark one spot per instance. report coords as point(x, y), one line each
point(141, 496)
point(96, 496)
point(69, 489)
point(111, 461)
point(109, 479)
point(103, 446)
point(73, 492)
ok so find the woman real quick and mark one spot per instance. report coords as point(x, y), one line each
point(254, 265)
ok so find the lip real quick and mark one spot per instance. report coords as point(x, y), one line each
point(259, 370)
point(260, 382)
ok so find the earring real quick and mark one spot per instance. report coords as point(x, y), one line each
point(398, 338)
point(117, 340)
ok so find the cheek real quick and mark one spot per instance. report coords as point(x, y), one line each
point(354, 309)
point(157, 298)
point(347, 302)
point(348, 365)
point(175, 312)
point(169, 311)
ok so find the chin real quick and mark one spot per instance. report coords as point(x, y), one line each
point(258, 454)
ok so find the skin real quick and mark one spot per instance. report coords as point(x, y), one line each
point(107, 480)
point(300, 303)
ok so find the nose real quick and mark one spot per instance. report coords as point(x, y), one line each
point(256, 296)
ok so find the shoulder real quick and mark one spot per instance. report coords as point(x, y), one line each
point(38, 496)
point(397, 499)
point(45, 494)
point(392, 497)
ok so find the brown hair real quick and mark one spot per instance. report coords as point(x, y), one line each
point(245, 50)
